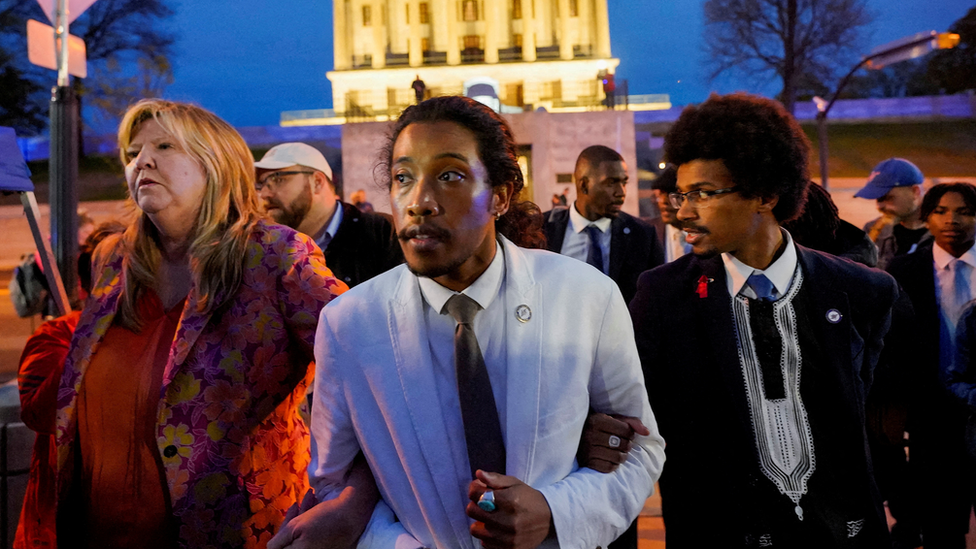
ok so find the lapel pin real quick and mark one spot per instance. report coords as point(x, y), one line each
point(523, 313)
point(834, 316)
point(702, 290)
point(626, 230)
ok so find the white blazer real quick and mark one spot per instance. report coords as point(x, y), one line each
point(375, 391)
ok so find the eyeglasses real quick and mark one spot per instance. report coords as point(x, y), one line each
point(275, 179)
point(699, 199)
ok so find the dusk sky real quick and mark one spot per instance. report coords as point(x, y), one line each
point(248, 60)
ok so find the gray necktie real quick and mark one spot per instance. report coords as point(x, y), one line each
point(482, 429)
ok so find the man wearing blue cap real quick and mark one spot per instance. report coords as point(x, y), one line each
point(896, 184)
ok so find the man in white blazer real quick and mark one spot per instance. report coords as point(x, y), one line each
point(556, 339)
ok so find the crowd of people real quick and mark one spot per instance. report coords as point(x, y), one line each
point(481, 372)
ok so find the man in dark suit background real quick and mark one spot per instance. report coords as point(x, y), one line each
point(758, 353)
point(294, 182)
point(595, 230)
point(940, 278)
point(669, 233)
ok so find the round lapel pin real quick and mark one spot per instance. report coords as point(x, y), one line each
point(626, 230)
point(523, 313)
point(834, 316)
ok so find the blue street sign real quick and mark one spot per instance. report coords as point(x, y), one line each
point(14, 173)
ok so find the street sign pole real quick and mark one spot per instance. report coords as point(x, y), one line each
point(64, 161)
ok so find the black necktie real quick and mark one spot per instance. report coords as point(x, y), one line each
point(765, 336)
point(482, 430)
point(594, 256)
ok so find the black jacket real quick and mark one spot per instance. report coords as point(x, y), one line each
point(688, 345)
point(634, 246)
point(364, 246)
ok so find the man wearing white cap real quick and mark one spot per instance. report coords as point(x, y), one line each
point(294, 182)
point(896, 184)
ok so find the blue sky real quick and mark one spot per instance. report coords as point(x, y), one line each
point(248, 60)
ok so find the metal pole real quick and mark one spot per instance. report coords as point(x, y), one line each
point(64, 163)
point(824, 153)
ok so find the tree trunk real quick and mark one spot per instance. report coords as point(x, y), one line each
point(789, 57)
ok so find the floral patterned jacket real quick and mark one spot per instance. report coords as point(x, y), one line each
point(234, 448)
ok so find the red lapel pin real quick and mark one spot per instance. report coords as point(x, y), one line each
point(703, 286)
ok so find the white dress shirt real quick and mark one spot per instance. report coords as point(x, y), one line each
point(576, 243)
point(489, 328)
point(780, 272)
point(951, 300)
point(675, 244)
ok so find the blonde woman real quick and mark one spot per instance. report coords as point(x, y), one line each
point(177, 420)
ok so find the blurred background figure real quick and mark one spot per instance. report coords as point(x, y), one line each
point(820, 227)
point(295, 183)
point(358, 200)
point(939, 278)
point(39, 374)
point(896, 184)
point(181, 389)
point(669, 232)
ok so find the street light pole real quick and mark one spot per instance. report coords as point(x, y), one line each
point(900, 50)
point(63, 163)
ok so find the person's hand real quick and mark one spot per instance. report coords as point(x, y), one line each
point(315, 525)
point(521, 519)
point(607, 440)
point(333, 524)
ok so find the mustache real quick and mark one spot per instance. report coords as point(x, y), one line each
point(429, 230)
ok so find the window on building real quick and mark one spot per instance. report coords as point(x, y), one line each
point(573, 8)
point(472, 42)
point(367, 16)
point(517, 40)
point(425, 44)
point(470, 10)
point(424, 13)
point(407, 12)
point(516, 9)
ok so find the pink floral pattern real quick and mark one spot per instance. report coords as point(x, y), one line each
point(231, 392)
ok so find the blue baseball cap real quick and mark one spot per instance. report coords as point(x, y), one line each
point(891, 173)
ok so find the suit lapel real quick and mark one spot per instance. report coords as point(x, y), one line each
point(192, 323)
point(819, 302)
point(523, 348)
point(619, 246)
point(411, 350)
point(556, 228)
point(715, 310)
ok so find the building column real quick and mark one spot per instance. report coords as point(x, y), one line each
point(528, 31)
point(340, 36)
point(416, 51)
point(491, 31)
point(453, 45)
point(585, 24)
point(439, 23)
point(379, 35)
point(565, 42)
point(602, 19)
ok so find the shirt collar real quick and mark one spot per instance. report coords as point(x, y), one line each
point(674, 233)
point(580, 223)
point(332, 227)
point(780, 272)
point(483, 290)
point(943, 258)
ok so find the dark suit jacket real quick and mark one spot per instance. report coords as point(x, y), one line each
point(634, 246)
point(689, 351)
point(659, 229)
point(936, 419)
point(364, 246)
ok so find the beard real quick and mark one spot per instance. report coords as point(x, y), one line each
point(293, 214)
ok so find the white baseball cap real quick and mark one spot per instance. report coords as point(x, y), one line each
point(290, 154)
